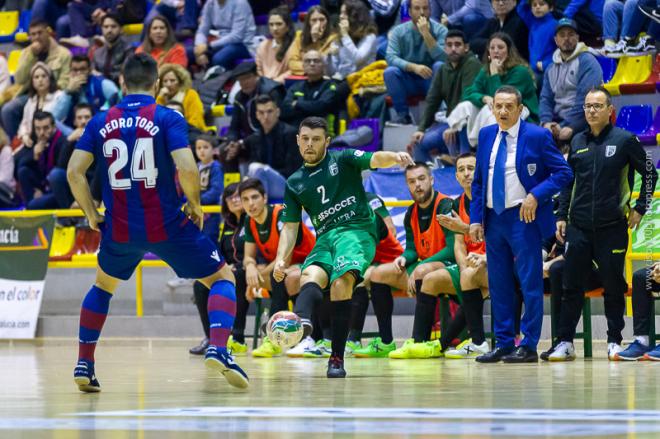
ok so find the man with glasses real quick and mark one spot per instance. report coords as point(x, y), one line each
point(314, 97)
point(573, 72)
point(594, 217)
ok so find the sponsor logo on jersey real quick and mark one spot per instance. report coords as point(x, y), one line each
point(215, 255)
point(334, 169)
point(610, 150)
point(358, 153)
point(375, 204)
point(336, 208)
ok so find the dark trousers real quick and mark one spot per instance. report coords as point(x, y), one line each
point(606, 247)
point(642, 300)
point(514, 248)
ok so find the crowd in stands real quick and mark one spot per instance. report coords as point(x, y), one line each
point(274, 64)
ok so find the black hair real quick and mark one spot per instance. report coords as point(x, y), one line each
point(210, 138)
point(465, 155)
point(140, 72)
point(456, 33)
point(314, 122)
point(113, 17)
point(83, 106)
point(264, 99)
point(81, 58)
point(252, 183)
point(43, 115)
point(285, 15)
point(227, 215)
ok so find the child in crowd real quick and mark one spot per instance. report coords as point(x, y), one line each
point(211, 181)
point(537, 15)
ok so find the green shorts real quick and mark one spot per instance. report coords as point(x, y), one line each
point(455, 274)
point(341, 250)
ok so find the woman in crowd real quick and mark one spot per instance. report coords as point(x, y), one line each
point(231, 248)
point(175, 85)
point(160, 43)
point(358, 42)
point(502, 66)
point(43, 95)
point(316, 34)
point(272, 57)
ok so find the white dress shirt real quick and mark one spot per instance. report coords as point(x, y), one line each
point(514, 191)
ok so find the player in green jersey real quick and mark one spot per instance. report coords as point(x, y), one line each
point(329, 187)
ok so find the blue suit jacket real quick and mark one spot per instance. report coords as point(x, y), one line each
point(541, 170)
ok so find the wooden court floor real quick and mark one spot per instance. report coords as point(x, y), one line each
point(153, 388)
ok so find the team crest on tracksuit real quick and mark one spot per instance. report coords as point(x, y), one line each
point(531, 169)
point(610, 150)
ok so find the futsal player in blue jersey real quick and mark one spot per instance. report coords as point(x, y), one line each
point(139, 146)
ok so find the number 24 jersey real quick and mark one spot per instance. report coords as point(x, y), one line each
point(132, 145)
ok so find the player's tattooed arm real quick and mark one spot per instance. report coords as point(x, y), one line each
point(79, 163)
point(288, 237)
point(388, 159)
point(189, 180)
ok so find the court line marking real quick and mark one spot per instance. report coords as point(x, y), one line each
point(390, 413)
point(356, 427)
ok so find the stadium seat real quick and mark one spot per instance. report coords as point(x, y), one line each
point(649, 137)
point(21, 35)
point(63, 241)
point(12, 61)
point(304, 5)
point(648, 86)
point(261, 20)
point(374, 124)
point(8, 26)
point(631, 70)
point(608, 66)
point(635, 118)
point(222, 110)
point(133, 29)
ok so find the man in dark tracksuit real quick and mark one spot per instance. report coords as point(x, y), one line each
point(604, 159)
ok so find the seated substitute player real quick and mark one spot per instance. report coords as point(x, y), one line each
point(263, 224)
point(329, 187)
point(137, 146)
point(470, 261)
point(387, 250)
point(428, 248)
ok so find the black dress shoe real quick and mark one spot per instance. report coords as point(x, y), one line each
point(521, 354)
point(494, 356)
point(200, 349)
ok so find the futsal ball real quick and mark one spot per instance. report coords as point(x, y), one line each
point(284, 329)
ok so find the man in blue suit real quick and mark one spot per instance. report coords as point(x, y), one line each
point(519, 169)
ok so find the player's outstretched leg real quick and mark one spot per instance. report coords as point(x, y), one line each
point(222, 310)
point(93, 312)
point(311, 295)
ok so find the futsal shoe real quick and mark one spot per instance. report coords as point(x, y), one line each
point(222, 362)
point(546, 354)
point(375, 349)
point(653, 355)
point(635, 351)
point(200, 349)
point(351, 347)
point(427, 349)
point(322, 349)
point(521, 354)
point(237, 349)
point(405, 352)
point(467, 349)
point(298, 350)
point(336, 367)
point(85, 378)
point(613, 351)
point(267, 350)
point(565, 351)
point(494, 356)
